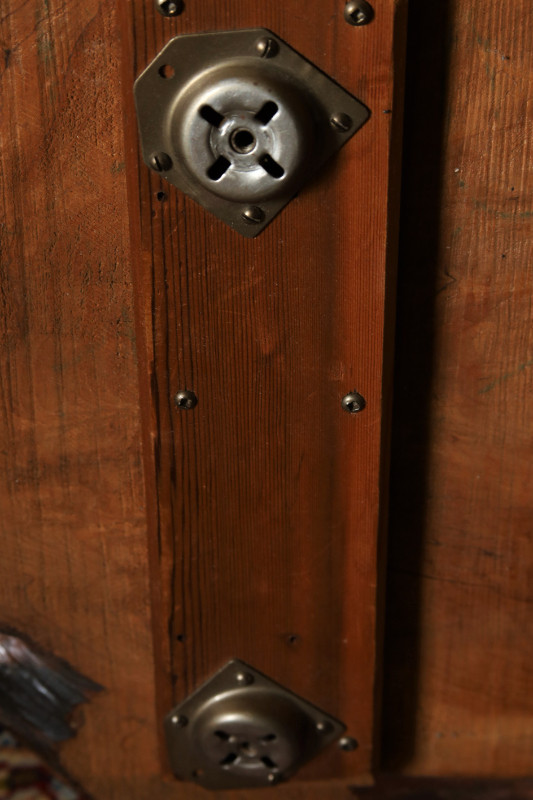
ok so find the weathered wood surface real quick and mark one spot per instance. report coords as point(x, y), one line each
point(459, 688)
point(74, 569)
point(264, 529)
point(73, 557)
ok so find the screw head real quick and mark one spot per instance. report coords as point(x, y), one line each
point(244, 678)
point(358, 12)
point(179, 720)
point(353, 402)
point(341, 122)
point(323, 727)
point(160, 162)
point(185, 399)
point(348, 743)
point(253, 215)
point(170, 8)
point(267, 47)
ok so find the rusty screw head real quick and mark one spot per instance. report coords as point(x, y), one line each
point(358, 12)
point(253, 215)
point(170, 8)
point(267, 47)
point(244, 678)
point(341, 122)
point(185, 399)
point(160, 162)
point(348, 743)
point(353, 402)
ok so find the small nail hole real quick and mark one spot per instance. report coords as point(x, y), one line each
point(161, 196)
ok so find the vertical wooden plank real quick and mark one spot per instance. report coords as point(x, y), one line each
point(458, 688)
point(265, 499)
point(73, 558)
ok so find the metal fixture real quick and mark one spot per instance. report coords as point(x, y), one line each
point(358, 12)
point(170, 8)
point(238, 120)
point(341, 122)
point(267, 47)
point(348, 744)
point(160, 162)
point(353, 402)
point(244, 730)
point(185, 399)
point(253, 215)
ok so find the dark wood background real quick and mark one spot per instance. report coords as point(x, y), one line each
point(457, 666)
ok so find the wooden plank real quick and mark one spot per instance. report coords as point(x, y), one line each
point(459, 694)
point(73, 565)
point(265, 500)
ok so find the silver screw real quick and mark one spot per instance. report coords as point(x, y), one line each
point(358, 12)
point(169, 8)
point(253, 215)
point(323, 727)
point(267, 47)
point(185, 399)
point(341, 122)
point(179, 720)
point(348, 743)
point(353, 402)
point(160, 162)
point(272, 778)
point(244, 678)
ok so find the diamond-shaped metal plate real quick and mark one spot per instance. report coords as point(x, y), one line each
point(242, 729)
point(238, 120)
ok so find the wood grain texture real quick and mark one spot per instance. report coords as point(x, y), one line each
point(459, 688)
point(73, 567)
point(265, 499)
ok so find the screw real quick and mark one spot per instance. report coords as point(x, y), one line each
point(323, 727)
point(347, 743)
point(341, 122)
point(179, 720)
point(160, 162)
point(272, 778)
point(267, 47)
point(185, 399)
point(244, 678)
point(169, 8)
point(353, 402)
point(358, 12)
point(253, 215)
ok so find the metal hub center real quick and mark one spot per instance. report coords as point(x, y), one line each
point(242, 141)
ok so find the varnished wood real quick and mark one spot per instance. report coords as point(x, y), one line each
point(74, 568)
point(458, 696)
point(265, 526)
point(73, 559)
